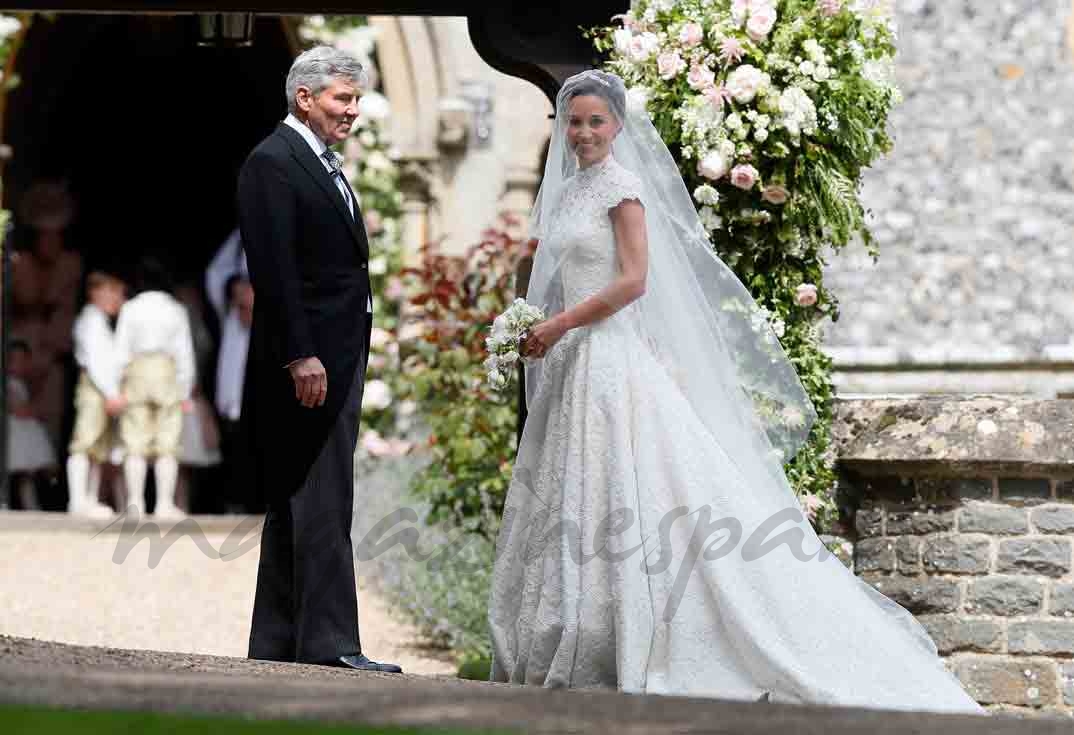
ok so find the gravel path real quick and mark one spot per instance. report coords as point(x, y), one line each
point(61, 583)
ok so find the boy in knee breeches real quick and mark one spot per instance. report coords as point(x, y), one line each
point(154, 340)
point(97, 395)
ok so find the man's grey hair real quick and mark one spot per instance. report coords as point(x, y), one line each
point(317, 68)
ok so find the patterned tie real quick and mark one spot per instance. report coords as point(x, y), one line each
point(336, 169)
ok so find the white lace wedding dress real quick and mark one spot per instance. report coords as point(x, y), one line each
point(615, 450)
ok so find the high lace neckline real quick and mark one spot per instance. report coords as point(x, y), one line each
point(587, 173)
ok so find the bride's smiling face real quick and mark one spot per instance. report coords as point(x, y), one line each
point(591, 128)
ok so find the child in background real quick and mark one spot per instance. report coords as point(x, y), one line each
point(97, 396)
point(29, 450)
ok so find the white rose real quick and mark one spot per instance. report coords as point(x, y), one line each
point(377, 395)
point(714, 165)
point(761, 21)
point(706, 194)
point(807, 67)
point(642, 47)
point(8, 26)
point(374, 106)
point(622, 38)
point(709, 219)
point(378, 266)
point(745, 82)
point(509, 358)
point(379, 338)
point(637, 98)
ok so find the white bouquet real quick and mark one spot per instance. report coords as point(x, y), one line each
point(504, 344)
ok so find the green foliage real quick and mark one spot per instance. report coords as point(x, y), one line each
point(453, 301)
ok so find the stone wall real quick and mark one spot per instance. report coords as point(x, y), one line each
point(963, 512)
point(974, 209)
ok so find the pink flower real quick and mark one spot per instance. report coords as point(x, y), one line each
point(744, 176)
point(805, 295)
point(810, 504)
point(643, 46)
point(374, 224)
point(691, 35)
point(670, 64)
point(713, 166)
point(375, 444)
point(739, 9)
point(731, 51)
point(828, 8)
point(775, 194)
point(762, 19)
point(394, 290)
point(700, 77)
point(718, 96)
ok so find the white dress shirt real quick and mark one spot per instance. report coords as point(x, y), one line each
point(154, 322)
point(95, 349)
point(319, 148)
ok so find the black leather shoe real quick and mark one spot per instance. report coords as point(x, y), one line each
point(360, 662)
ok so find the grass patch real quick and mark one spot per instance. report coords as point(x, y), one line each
point(44, 721)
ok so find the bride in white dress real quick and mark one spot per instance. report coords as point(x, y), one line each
point(650, 540)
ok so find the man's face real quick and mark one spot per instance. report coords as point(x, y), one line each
point(332, 112)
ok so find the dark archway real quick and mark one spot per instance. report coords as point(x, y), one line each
point(148, 129)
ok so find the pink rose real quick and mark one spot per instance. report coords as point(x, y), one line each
point(775, 194)
point(731, 51)
point(713, 166)
point(805, 295)
point(700, 77)
point(691, 35)
point(744, 176)
point(670, 64)
point(828, 8)
point(761, 21)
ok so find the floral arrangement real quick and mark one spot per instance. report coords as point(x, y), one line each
point(773, 109)
point(504, 344)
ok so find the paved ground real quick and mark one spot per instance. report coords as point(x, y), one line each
point(61, 582)
point(58, 675)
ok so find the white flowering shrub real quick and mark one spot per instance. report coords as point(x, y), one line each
point(773, 109)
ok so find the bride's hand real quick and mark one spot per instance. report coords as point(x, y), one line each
point(543, 336)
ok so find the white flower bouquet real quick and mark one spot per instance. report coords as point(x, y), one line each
point(504, 343)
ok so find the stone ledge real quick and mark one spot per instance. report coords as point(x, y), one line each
point(956, 436)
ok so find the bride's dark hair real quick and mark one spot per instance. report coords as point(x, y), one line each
point(601, 84)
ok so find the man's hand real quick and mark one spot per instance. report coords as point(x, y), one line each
point(114, 406)
point(311, 381)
